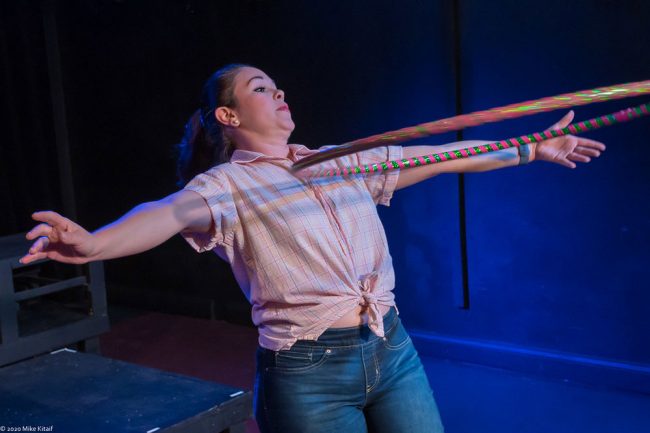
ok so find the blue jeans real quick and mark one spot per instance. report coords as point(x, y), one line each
point(347, 381)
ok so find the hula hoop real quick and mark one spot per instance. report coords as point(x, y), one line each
point(575, 128)
point(456, 123)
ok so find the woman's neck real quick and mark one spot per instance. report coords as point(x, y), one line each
point(271, 145)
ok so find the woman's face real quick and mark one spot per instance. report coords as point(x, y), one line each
point(260, 105)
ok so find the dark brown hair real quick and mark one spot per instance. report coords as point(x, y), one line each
point(204, 143)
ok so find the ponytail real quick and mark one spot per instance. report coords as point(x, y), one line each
point(204, 143)
point(200, 150)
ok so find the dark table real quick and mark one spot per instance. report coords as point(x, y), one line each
point(70, 392)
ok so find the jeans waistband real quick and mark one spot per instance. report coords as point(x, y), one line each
point(356, 335)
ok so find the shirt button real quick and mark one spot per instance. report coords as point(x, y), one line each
point(328, 351)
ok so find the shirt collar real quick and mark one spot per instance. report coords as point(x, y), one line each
point(296, 153)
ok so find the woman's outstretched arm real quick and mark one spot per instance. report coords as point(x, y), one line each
point(144, 227)
point(565, 150)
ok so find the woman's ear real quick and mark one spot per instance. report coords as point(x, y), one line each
point(226, 116)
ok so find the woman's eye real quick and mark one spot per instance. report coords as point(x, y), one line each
point(260, 89)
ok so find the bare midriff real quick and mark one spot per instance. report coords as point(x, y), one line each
point(357, 317)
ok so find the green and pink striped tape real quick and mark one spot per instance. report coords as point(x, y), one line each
point(455, 123)
point(575, 128)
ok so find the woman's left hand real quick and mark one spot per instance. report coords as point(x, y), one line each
point(567, 149)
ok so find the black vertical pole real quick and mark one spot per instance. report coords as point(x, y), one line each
point(462, 299)
point(48, 8)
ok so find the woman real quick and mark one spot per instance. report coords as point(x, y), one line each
point(310, 255)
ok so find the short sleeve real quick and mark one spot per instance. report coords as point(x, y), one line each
point(381, 185)
point(214, 187)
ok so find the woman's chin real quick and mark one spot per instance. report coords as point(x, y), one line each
point(288, 125)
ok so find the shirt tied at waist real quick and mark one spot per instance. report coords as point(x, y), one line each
point(369, 299)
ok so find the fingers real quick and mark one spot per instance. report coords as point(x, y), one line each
point(586, 151)
point(29, 258)
point(583, 154)
point(40, 245)
point(569, 149)
point(566, 163)
point(37, 251)
point(53, 255)
point(56, 227)
point(577, 157)
point(564, 121)
point(57, 239)
point(39, 230)
point(585, 142)
point(50, 231)
point(53, 219)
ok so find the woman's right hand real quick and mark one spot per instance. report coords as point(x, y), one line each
point(60, 239)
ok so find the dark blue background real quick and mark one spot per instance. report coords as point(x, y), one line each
point(555, 258)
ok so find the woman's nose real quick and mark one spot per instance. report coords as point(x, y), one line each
point(279, 94)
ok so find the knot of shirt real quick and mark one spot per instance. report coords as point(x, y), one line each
point(369, 300)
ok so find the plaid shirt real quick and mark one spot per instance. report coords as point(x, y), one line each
point(305, 252)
